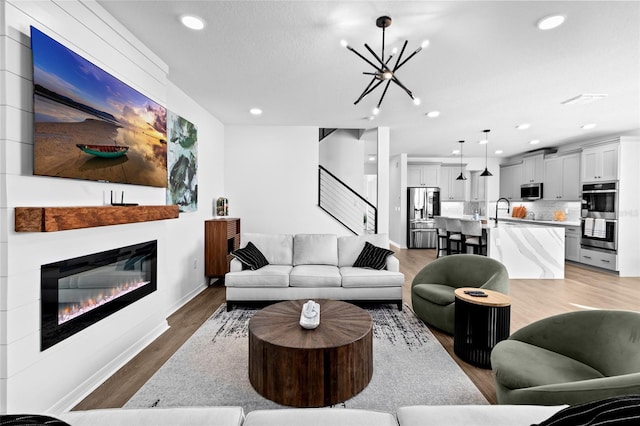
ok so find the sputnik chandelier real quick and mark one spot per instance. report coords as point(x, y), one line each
point(382, 71)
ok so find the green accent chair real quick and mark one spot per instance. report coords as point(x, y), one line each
point(432, 296)
point(570, 358)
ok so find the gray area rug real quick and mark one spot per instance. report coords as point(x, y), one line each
point(410, 367)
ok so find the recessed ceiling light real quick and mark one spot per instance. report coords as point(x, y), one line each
point(372, 157)
point(255, 111)
point(523, 126)
point(433, 114)
point(192, 22)
point(551, 22)
point(589, 126)
point(498, 151)
point(534, 142)
point(455, 152)
point(483, 142)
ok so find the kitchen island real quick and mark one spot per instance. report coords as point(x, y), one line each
point(527, 250)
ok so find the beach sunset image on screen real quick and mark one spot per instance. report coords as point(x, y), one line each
point(89, 124)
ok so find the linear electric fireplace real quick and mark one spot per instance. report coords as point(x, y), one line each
point(79, 292)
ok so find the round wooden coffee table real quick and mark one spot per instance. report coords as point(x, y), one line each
point(480, 323)
point(297, 367)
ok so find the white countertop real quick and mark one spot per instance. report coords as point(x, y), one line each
point(540, 222)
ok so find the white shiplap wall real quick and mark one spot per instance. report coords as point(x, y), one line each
point(57, 378)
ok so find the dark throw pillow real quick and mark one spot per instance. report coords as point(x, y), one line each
point(372, 257)
point(29, 419)
point(251, 257)
point(615, 411)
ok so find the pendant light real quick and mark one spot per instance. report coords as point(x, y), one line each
point(462, 176)
point(486, 142)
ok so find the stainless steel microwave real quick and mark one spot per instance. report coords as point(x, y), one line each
point(531, 191)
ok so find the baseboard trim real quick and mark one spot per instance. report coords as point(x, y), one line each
point(79, 393)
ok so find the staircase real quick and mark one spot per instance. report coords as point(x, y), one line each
point(345, 205)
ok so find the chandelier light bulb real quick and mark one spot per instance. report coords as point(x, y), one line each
point(425, 44)
point(376, 110)
point(387, 75)
point(416, 101)
point(344, 43)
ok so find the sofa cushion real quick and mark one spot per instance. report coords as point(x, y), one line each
point(276, 248)
point(350, 247)
point(315, 276)
point(193, 416)
point(436, 293)
point(372, 257)
point(268, 276)
point(618, 410)
point(476, 415)
point(360, 277)
point(315, 249)
point(251, 257)
point(319, 417)
point(521, 365)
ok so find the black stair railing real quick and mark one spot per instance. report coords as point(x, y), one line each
point(345, 205)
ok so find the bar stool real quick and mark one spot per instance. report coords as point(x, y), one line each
point(472, 236)
point(440, 223)
point(454, 235)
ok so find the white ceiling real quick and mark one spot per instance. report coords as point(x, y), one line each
point(487, 66)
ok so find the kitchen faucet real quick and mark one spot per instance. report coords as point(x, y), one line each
point(498, 202)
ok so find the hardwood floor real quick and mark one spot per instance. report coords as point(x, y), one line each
point(582, 288)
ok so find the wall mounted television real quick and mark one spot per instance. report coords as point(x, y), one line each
point(90, 125)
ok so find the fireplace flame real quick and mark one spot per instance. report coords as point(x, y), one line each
point(71, 311)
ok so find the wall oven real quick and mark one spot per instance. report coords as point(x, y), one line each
point(599, 233)
point(599, 215)
point(600, 200)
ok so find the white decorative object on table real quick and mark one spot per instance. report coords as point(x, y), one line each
point(310, 315)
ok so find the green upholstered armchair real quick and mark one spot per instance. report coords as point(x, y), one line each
point(570, 358)
point(432, 288)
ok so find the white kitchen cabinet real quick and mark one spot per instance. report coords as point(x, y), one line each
point(600, 163)
point(450, 188)
point(533, 169)
point(478, 187)
point(572, 243)
point(601, 259)
point(423, 175)
point(510, 181)
point(562, 178)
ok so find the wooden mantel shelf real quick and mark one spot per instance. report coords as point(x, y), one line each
point(51, 219)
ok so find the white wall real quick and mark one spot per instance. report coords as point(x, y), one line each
point(342, 153)
point(629, 208)
point(384, 145)
point(271, 180)
point(57, 378)
point(398, 199)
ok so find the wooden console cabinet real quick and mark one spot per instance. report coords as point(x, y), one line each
point(221, 237)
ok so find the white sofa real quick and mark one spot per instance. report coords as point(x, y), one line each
point(187, 416)
point(313, 266)
point(424, 415)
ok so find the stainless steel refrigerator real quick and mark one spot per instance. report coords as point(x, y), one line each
point(422, 205)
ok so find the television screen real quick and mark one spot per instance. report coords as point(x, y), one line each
point(89, 124)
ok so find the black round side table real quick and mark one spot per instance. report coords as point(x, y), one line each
point(480, 323)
